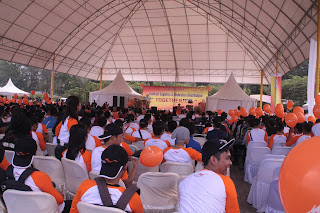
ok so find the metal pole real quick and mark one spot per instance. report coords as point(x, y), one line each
point(261, 89)
point(277, 62)
point(101, 78)
point(52, 79)
point(318, 51)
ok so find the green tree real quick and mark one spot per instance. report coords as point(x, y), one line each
point(295, 89)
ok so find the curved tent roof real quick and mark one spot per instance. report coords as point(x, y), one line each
point(159, 40)
point(10, 89)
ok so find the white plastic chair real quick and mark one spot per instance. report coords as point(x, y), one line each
point(252, 144)
point(159, 191)
point(139, 144)
point(75, 174)
point(199, 166)
point(87, 207)
point(180, 169)
point(51, 148)
point(260, 186)
point(9, 155)
point(281, 150)
point(29, 202)
point(52, 167)
point(50, 134)
point(142, 169)
point(271, 156)
point(274, 204)
point(253, 159)
point(93, 175)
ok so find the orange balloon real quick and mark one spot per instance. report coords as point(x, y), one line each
point(25, 101)
point(259, 112)
point(15, 96)
point(244, 113)
point(231, 112)
point(1, 99)
point(32, 92)
point(19, 101)
point(291, 120)
point(24, 96)
point(31, 103)
point(230, 122)
point(300, 117)
point(45, 96)
point(290, 104)
point(280, 114)
point(299, 177)
point(129, 104)
point(298, 109)
point(242, 109)
point(317, 99)
point(220, 111)
point(316, 110)
point(252, 111)
point(151, 156)
point(238, 113)
point(234, 118)
point(279, 108)
point(267, 108)
point(312, 119)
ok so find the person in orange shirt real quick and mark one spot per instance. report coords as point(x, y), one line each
point(215, 191)
point(293, 138)
point(278, 139)
point(69, 119)
point(114, 164)
point(25, 148)
point(179, 153)
point(76, 149)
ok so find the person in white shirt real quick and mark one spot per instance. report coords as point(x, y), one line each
point(142, 132)
point(172, 125)
point(306, 130)
point(99, 129)
point(210, 190)
point(158, 129)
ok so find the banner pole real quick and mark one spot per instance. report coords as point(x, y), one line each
point(261, 89)
point(52, 79)
point(101, 78)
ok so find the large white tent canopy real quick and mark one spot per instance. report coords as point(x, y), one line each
point(10, 89)
point(159, 40)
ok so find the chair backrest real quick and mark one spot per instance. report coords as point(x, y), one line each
point(87, 207)
point(9, 155)
point(266, 168)
point(29, 202)
point(51, 148)
point(281, 150)
point(257, 144)
point(199, 166)
point(178, 168)
point(75, 174)
point(201, 140)
point(139, 144)
point(271, 156)
point(276, 173)
point(50, 134)
point(158, 188)
point(52, 167)
point(255, 155)
point(142, 169)
point(93, 175)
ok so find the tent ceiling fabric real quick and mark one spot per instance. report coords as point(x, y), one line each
point(149, 40)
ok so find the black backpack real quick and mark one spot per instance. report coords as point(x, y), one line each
point(106, 198)
point(11, 183)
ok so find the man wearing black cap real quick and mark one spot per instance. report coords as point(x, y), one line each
point(114, 164)
point(24, 150)
point(209, 190)
point(113, 136)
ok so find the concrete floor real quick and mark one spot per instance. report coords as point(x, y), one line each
point(242, 188)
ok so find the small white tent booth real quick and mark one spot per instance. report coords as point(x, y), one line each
point(10, 89)
point(230, 96)
point(118, 93)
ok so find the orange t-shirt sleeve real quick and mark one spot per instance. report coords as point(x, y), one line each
point(4, 164)
point(168, 143)
point(265, 136)
point(136, 204)
point(58, 128)
point(97, 141)
point(85, 185)
point(87, 159)
point(127, 148)
point(71, 122)
point(125, 176)
point(292, 141)
point(166, 149)
point(271, 142)
point(232, 205)
point(248, 137)
point(42, 144)
point(206, 129)
point(44, 129)
point(44, 183)
point(130, 138)
point(194, 154)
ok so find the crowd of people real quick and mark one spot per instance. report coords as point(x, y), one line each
point(99, 138)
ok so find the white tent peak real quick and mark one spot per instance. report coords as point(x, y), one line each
point(10, 89)
point(119, 86)
point(231, 90)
